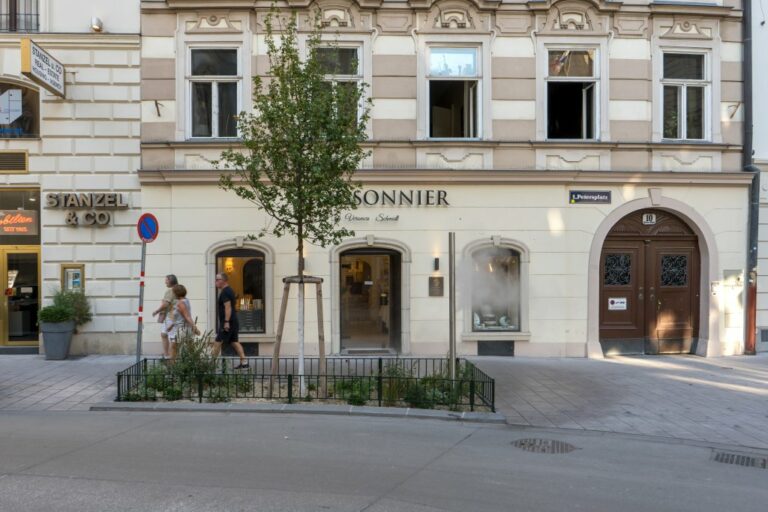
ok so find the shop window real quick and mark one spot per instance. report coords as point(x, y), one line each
point(454, 85)
point(19, 111)
point(246, 271)
point(572, 94)
point(496, 289)
point(214, 89)
point(684, 84)
point(19, 217)
point(19, 16)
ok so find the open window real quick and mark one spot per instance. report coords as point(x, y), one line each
point(572, 94)
point(454, 79)
point(684, 83)
point(214, 92)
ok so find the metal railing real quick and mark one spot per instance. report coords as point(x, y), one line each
point(19, 22)
point(412, 382)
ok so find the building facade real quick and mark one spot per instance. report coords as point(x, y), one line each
point(587, 155)
point(69, 150)
point(760, 147)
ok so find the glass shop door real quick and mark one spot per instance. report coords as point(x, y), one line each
point(20, 302)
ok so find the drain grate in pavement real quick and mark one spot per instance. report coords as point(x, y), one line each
point(740, 459)
point(543, 446)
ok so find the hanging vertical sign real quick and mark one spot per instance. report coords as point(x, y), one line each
point(40, 67)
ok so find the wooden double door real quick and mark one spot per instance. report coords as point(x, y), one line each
point(649, 293)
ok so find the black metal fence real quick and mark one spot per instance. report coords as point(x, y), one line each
point(383, 381)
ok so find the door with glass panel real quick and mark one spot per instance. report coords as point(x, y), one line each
point(20, 303)
point(370, 301)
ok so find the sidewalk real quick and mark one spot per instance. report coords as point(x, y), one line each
point(722, 400)
point(29, 382)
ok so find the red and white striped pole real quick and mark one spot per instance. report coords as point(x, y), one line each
point(140, 327)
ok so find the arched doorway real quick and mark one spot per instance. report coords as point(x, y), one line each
point(369, 300)
point(649, 285)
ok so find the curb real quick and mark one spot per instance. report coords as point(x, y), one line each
point(332, 410)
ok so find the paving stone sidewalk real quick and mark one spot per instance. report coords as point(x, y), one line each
point(29, 382)
point(720, 400)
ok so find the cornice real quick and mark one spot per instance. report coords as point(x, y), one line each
point(477, 178)
point(71, 40)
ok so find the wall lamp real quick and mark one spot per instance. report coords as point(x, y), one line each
point(96, 24)
point(436, 264)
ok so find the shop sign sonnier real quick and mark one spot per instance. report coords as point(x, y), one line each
point(18, 222)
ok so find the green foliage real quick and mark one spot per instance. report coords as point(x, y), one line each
point(218, 394)
point(356, 391)
point(193, 356)
point(172, 393)
point(55, 314)
point(418, 396)
point(394, 383)
point(302, 143)
point(76, 302)
point(155, 377)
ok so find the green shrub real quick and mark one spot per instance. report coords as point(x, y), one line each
point(172, 393)
point(75, 301)
point(155, 377)
point(193, 357)
point(356, 391)
point(218, 394)
point(55, 314)
point(419, 397)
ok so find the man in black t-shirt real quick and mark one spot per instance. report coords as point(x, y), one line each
point(227, 328)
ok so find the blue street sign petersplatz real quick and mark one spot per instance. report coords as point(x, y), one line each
point(148, 227)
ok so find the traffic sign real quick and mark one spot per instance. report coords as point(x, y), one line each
point(148, 227)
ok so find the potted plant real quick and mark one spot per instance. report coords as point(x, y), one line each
point(59, 321)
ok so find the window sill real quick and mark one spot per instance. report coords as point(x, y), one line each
point(496, 336)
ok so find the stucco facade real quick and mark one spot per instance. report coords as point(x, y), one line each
point(506, 178)
point(86, 142)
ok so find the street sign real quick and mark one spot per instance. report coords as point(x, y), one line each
point(40, 67)
point(148, 227)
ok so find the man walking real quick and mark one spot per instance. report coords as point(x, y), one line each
point(227, 328)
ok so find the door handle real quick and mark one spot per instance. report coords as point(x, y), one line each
point(658, 305)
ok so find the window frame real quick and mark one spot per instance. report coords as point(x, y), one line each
point(517, 320)
point(18, 84)
point(523, 333)
point(594, 79)
point(683, 84)
point(214, 80)
point(359, 78)
point(477, 78)
point(35, 17)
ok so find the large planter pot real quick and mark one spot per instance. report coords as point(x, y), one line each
point(56, 338)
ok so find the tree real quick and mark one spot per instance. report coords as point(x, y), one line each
point(301, 145)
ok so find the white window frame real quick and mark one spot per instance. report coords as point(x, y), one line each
point(359, 77)
point(600, 46)
point(683, 83)
point(483, 44)
point(594, 79)
point(478, 78)
point(214, 80)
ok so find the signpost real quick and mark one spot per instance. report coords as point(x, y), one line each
point(148, 228)
point(40, 67)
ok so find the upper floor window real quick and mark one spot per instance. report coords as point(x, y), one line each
point(454, 77)
point(19, 111)
point(572, 94)
point(19, 16)
point(341, 66)
point(214, 91)
point(684, 83)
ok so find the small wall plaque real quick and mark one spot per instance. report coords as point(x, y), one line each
point(436, 286)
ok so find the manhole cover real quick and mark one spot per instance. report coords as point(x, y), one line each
point(543, 446)
point(740, 459)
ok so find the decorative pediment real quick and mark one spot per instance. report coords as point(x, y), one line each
point(629, 25)
point(572, 16)
point(687, 29)
point(480, 4)
point(453, 16)
point(218, 23)
point(335, 15)
point(394, 22)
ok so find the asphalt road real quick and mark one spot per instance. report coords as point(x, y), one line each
point(85, 461)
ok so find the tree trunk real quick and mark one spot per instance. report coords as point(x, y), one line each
point(301, 313)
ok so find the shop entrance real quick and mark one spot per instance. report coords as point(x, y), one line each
point(370, 301)
point(649, 286)
point(20, 266)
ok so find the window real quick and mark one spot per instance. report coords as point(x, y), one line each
point(214, 92)
point(454, 79)
point(684, 91)
point(245, 269)
point(19, 16)
point(496, 289)
point(341, 66)
point(19, 111)
point(572, 94)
